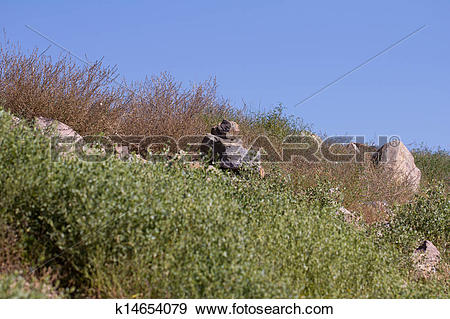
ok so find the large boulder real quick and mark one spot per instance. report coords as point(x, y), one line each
point(56, 128)
point(224, 146)
point(398, 162)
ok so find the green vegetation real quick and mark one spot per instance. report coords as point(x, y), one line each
point(16, 286)
point(435, 165)
point(137, 229)
point(122, 229)
point(425, 217)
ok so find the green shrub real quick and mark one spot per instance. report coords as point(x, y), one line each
point(276, 124)
point(427, 217)
point(434, 165)
point(16, 286)
point(122, 229)
point(324, 194)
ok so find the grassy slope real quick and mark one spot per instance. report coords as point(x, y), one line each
point(133, 229)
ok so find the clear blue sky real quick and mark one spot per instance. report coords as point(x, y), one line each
point(267, 52)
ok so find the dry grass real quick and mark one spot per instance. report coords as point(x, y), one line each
point(10, 252)
point(12, 263)
point(364, 188)
point(88, 99)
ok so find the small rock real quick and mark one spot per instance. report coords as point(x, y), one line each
point(15, 119)
point(349, 216)
point(121, 152)
point(226, 129)
point(261, 172)
point(425, 258)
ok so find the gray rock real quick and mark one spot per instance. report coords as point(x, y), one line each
point(426, 258)
point(121, 151)
point(398, 162)
point(226, 129)
point(224, 147)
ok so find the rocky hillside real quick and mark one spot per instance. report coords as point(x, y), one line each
point(156, 190)
point(135, 228)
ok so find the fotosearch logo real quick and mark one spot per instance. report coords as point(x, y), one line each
point(340, 149)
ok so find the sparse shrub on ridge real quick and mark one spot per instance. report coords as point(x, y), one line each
point(90, 99)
